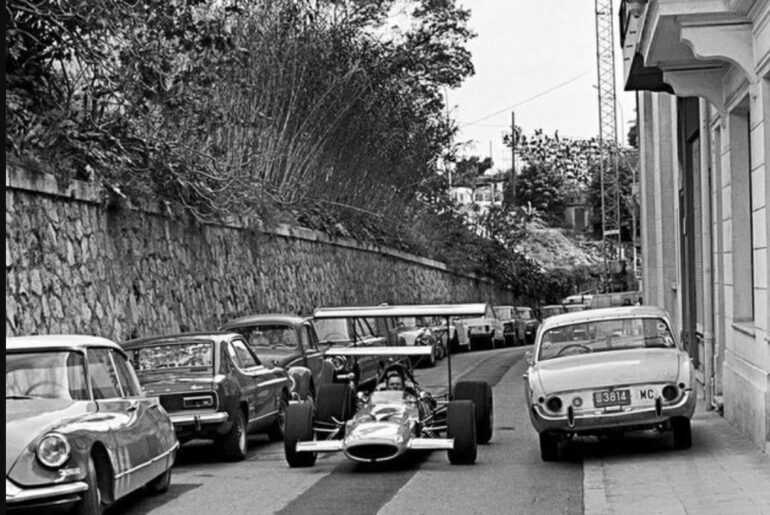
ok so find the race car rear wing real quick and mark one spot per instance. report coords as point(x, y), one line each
point(405, 310)
point(419, 350)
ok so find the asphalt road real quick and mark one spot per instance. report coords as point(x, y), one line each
point(508, 477)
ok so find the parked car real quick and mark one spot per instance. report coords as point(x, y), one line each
point(79, 432)
point(415, 331)
point(608, 371)
point(455, 337)
point(573, 308)
point(551, 310)
point(483, 332)
point(507, 315)
point(526, 325)
point(213, 386)
point(287, 341)
point(352, 332)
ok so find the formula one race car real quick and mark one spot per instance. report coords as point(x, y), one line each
point(397, 416)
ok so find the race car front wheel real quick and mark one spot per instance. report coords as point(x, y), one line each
point(299, 428)
point(461, 426)
point(481, 394)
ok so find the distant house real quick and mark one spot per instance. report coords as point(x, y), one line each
point(577, 212)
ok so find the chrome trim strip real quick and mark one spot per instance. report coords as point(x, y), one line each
point(14, 494)
point(275, 381)
point(263, 416)
point(204, 418)
point(150, 462)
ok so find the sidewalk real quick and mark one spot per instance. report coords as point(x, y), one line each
point(723, 473)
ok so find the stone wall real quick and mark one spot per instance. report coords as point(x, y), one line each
point(76, 264)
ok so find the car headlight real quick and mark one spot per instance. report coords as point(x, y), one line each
point(53, 450)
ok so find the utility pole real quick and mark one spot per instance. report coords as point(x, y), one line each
point(608, 144)
point(513, 159)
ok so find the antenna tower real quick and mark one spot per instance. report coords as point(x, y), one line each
point(608, 143)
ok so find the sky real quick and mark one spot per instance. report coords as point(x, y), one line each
point(533, 48)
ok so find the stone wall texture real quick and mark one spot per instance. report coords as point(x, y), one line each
point(76, 264)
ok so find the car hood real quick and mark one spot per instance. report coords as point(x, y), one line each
point(587, 371)
point(26, 420)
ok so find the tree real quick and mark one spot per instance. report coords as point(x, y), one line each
point(468, 169)
point(543, 188)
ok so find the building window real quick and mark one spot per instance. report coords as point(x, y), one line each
point(742, 209)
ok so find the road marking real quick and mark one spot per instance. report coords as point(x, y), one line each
point(594, 491)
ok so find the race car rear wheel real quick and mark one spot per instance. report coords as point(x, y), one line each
point(462, 427)
point(299, 428)
point(481, 394)
point(334, 401)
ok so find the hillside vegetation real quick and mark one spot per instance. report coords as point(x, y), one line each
point(323, 113)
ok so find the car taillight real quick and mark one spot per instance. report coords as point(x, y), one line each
point(553, 404)
point(197, 402)
point(670, 392)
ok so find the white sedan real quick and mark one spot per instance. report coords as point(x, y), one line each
point(608, 371)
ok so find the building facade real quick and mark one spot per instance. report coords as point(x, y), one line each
point(701, 70)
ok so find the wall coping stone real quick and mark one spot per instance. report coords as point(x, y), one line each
point(20, 179)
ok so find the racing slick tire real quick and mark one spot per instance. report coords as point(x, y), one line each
point(549, 446)
point(334, 401)
point(234, 443)
point(299, 427)
point(461, 426)
point(481, 394)
point(682, 432)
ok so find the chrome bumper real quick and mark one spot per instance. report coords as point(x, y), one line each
point(205, 418)
point(589, 422)
point(15, 494)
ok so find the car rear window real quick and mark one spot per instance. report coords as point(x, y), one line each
point(605, 336)
point(198, 356)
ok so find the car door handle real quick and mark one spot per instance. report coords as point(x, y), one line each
point(132, 407)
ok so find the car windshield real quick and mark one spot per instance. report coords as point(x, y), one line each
point(606, 335)
point(504, 313)
point(524, 313)
point(272, 336)
point(48, 375)
point(549, 311)
point(331, 329)
point(196, 356)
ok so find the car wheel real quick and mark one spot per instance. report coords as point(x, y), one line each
point(299, 428)
point(334, 401)
point(682, 432)
point(276, 431)
point(461, 426)
point(91, 503)
point(549, 446)
point(480, 393)
point(160, 484)
point(234, 444)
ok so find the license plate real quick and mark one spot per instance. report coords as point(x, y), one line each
point(612, 398)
